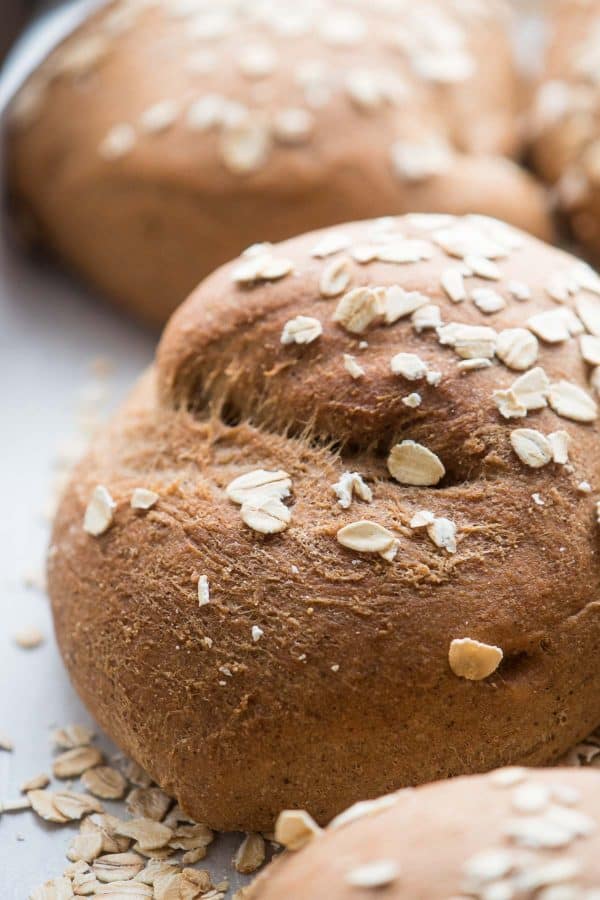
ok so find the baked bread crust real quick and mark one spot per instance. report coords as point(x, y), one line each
point(565, 119)
point(347, 691)
point(120, 161)
point(476, 837)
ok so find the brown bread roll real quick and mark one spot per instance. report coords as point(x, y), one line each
point(516, 834)
point(162, 138)
point(369, 554)
point(565, 120)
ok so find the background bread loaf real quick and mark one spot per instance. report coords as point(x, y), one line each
point(161, 139)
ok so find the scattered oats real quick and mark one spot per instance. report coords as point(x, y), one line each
point(588, 310)
point(452, 281)
point(470, 365)
point(190, 837)
point(354, 369)
point(528, 392)
point(554, 326)
point(73, 806)
point(261, 267)
point(206, 113)
point(409, 365)
point(294, 570)
point(17, 805)
point(433, 377)
point(126, 890)
point(422, 519)
point(259, 483)
point(359, 308)
point(104, 782)
point(572, 402)
point(335, 667)
point(159, 117)
point(293, 126)
point(472, 659)
point(134, 773)
point(531, 797)
point(142, 498)
point(267, 515)
point(257, 60)
point(150, 835)
point(418, 161)
point(463, 239)
point(331, 242)
point(294, 828)
point(29, 638)
point(531, 446)
point(517, 348)
point(245, 146)
point(37, 783)
point(225, 670)
point(537, 500)
point(55, 889)
point(443, 534)
point(538, 833)
point(301, 330)
point(203, 591)
point(487, 866)
point(584, 487)
point(118, 142)
point(425, 317)
point(99, 512)
point(559, 441)
point(487, 301)
point(105, 826)
point(350, 484)
point(508, 777)
point(589, 345)
point(374, 874)
point(469, 341)
point(363, 809)
point(412, 463)
point(193, 856)
point(403, 251)
point(335, 277)
point(257, 633)
point(86, 847)
point(250, 854)
point(148, 803)
point(362, 345)
point(72, 736)
point(483, 267)
point(368, 537)
point(117, 866)
point(73, 763)
point(208, 642)
point(412, 400)
point(400, 303)
point(519, 290)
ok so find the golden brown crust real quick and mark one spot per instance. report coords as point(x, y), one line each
point(451, 839)
point(348, 692)
point(146, 213)
point(565, 119)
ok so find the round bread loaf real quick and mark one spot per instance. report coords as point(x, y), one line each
point(516, 834)
point(365, 550)
point(565, 121)
point(162, 138)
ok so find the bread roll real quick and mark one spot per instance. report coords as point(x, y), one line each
point(565, 123)
point(369, 554)
point(162, 138)
point(516, 833)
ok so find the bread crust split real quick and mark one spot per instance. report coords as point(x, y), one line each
point(158, 141)
point(514, 833)
point(345, 578)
